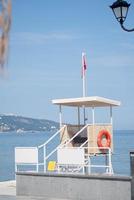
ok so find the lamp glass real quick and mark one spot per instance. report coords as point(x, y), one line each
point(117, 13)
point(124, 11)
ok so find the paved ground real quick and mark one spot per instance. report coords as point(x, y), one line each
point(8, 188)
point(8, 192)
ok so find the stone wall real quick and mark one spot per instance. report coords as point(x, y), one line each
point(75, 187)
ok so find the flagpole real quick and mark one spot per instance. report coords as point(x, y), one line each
point(84, 83)
point(83, 75)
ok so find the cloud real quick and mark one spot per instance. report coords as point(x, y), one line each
point(31, 38)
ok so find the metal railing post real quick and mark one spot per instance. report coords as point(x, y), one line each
point(89, 165)
point(110, 162)
point(44, 152)
point(37, 165)
point(16, 168)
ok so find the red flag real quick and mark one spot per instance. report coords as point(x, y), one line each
point(84, 64)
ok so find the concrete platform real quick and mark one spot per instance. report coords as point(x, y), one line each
point(8, 192)
point(66, 187)
point(73, 187)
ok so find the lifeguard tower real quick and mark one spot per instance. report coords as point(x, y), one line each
point(80, 166)
point(79, 144)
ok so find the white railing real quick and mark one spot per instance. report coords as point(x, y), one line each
point(108, 165)
point(45, 156)
point(71, 139)
point(53, 136)
point(87, 165)
point(84, 144)
point(65, 144)
point(44, 147)
point(28, 156)
point(87, 156)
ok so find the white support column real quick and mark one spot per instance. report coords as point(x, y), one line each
point(93, 116)
point(79, 116)
point(60, 116)
point(110, 162)
point(107, 163)
point(111, 116)
point(84, 115)
point(110, 153)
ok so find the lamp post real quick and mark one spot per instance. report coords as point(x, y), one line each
point(120, 10)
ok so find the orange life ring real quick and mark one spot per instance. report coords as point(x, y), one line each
point(106, 134)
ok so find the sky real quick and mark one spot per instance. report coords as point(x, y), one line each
point(47, 39)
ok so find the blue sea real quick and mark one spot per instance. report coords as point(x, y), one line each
point(123, 144)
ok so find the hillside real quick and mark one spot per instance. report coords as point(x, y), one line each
point(18, 123)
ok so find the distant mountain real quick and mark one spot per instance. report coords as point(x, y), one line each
point(20, 124)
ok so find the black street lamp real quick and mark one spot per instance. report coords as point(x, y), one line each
point(120, 10)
